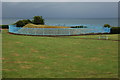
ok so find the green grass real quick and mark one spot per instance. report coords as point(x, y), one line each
point(58, 57)
point(110, 36)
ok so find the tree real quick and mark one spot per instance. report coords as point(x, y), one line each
point(22, 23)
point(19, 23)
point(38, 20)
point(107, 25)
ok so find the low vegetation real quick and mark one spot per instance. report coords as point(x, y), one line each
point(4, 26)
point(38, 20)
point(58, 57)
point(115, 30)
point(79, 27)
point(22, 23)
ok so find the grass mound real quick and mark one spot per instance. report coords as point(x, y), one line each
point(42, 26)
point(36, 29)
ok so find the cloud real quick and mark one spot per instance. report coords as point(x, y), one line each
point(60, 0)
point(59, 10)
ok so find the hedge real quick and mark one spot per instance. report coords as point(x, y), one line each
point(115, 30)
point(4, 26)
point(79, 27)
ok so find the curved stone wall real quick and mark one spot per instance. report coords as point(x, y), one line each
point(56, 31)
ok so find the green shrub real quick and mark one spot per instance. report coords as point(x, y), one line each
point(19, 23)
point(107, 25)
point(115, 30)
point(4, 26)
point(79, 27)
point(22, 23)
point(38, 20)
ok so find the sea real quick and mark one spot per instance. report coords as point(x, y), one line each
point(70, 22)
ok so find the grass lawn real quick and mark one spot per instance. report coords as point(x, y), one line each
point(58, 57)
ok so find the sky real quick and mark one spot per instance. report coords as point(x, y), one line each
point(60, 9)
point(60, 0)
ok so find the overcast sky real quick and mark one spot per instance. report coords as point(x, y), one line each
point(60, 9)
point(60, 0)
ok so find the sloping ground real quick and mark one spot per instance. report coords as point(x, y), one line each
point(42, 26)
